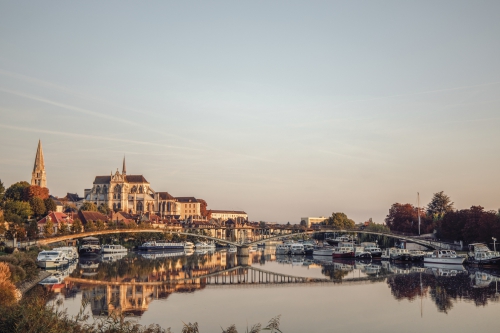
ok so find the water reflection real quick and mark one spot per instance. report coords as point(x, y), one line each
point(129, 284)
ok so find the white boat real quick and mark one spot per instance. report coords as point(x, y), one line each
point(204, 245)
point(444, 257)
point(283, 249)
point(188, 245)
point(480, 255)
point(59, 276)
point(297, 248)
point(360, 252)
point(323, 251)
point(161, 245)
point(113, 249)
point(400, 254)
point(232, 249)
point(417, 255)
point(52, 259)
point(70, 251)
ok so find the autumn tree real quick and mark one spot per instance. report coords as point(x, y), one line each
point(35, 191)
point(203, 207)
point(76, 227)
point(88, 206)
point(48, 228)
point(2, 190)
point(37, 206)
point(404, 218)
point(440, 205)
point(16, 191)
point(340, 221)
point(50, 205)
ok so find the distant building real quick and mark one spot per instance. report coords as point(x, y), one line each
point(87, 216)
point(225, 215)
point(57, 219)
point(309, 221)
point(38, 176)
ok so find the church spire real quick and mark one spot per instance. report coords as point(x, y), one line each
point(38, 176)
point(124, 168)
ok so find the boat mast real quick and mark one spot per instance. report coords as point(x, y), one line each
point(418, 212)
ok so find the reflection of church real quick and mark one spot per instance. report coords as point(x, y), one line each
point(133, 194)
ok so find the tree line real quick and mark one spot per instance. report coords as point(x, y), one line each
point(440, 217)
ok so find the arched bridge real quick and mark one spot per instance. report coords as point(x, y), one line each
point(261, 239)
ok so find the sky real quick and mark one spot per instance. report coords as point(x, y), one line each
point(283, 109)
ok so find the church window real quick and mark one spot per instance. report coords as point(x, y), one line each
point(119, 205)
point(139, 206)
point(114, 206)
point(140, 189)
point(114, 196)
point(134, 189)
point(119, 196)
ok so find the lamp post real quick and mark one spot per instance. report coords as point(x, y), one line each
point(494, 244)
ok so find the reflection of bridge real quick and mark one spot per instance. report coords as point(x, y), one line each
point(243, 248)
point(239, 275)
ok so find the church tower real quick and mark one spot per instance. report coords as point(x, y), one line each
point(38, 176)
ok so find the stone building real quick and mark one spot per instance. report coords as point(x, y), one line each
point(133, 194)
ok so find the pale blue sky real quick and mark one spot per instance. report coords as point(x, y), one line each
point(283, 109)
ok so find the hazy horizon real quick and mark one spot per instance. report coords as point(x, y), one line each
point(281, 109)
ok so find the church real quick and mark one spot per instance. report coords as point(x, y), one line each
point(133, 194)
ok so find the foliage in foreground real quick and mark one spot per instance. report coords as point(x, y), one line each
point(32, 315)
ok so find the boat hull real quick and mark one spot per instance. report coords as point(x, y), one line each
point(47, 264)
point(343, 255)
point(323, 252)
point(444, 261)
point(88, 252)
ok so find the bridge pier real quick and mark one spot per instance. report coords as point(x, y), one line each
point(243, 251)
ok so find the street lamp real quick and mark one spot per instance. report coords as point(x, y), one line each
point(494, 241)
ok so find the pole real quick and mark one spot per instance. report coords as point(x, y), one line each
point(418, 211)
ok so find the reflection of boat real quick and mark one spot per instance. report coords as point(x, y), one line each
point(110, 257)
point(322, 259)
point(166, 254)
point(443, 265)
point(443, 257)
point(204, 245)
point(232, 249)
point(481, 255)
point(89, 266)
point(52, 259)
point(59, 276)
point(113, 249)
point(297, 261)
point(445, 270)
point(482, 279)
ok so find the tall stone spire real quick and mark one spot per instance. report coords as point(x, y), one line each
point(38, 176)
point(124, 168)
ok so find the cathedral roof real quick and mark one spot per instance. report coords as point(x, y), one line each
point(128, 179)
point(165, 196)
point(186, 199)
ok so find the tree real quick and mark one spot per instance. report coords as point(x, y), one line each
point(35, 191)
point(2, 190)
point(63, 229)
point(20, 208)
point(48, 228)
point(37, 206)
point(340, 221)
point(100, 225)
point(439, 205)
point(33, 230)
point(88, 206)
point(50, 205)
point(104, 209)
point(375, 227)
point(203, 207)
point(16, 191)
point(76, 227)
point(90, 226)
point(303, 223)
point(404, 218)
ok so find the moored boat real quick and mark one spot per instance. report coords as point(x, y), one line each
point(343, 252)
point(70, 252)
point(417, 255)
point(297, 248)
point(113, 248)
point(444, 257)
point(90, 247)
point(359, 252)
point(283, 249)
point(204, 245)
point(400, 254)
point(480, 255)
point(51, 259)
point(161, 245)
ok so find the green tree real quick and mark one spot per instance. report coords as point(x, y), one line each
point(340, 221)
point(63, 229)
point(375, 227)
point(90, 226)
point(439, 206)
point(104, 209)
point(88, 206)
point(76, 227)
point(37, 206)
point(20, 208)
point(16, 191)
point(48, 228)
point(33, 230)
point(100, 225)
point(50, 205)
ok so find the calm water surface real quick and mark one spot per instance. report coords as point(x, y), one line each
point(311, 294)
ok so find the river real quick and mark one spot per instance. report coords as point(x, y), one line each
point(217, 289)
